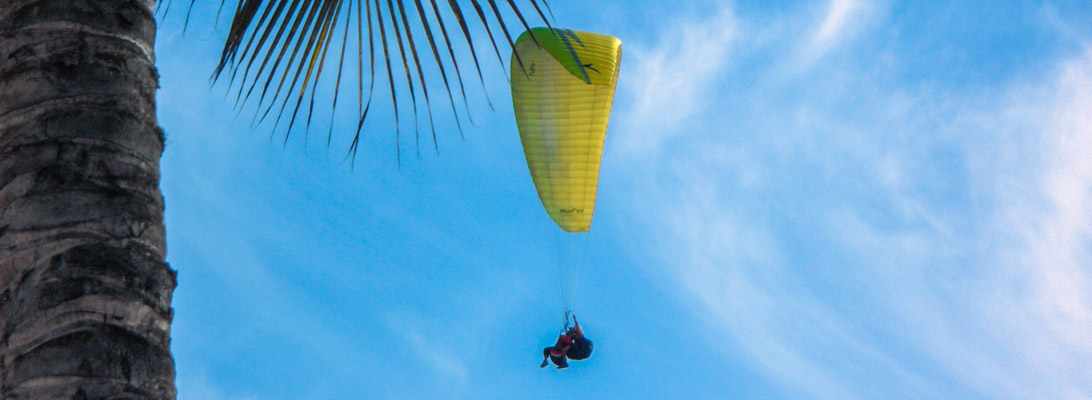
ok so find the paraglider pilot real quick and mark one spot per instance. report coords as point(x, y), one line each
point(570, 345)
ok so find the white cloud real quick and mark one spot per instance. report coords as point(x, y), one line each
point(837, 21)
point(840, 23)
point(884, 240)
point(427, 342)
point(668, 83)
point(1044, 221)
point(1067, 228)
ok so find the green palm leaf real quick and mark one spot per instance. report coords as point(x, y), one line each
point(281, 47)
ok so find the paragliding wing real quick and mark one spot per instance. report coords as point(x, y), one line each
point(562, 91)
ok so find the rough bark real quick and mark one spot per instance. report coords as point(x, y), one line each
point(84, 290)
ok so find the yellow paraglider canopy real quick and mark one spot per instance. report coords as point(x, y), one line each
point(563, 85)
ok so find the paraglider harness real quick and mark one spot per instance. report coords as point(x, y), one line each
point(581, 347)
point(571, 344)
point(567, 328)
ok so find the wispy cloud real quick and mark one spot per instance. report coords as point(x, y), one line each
point(837, 21)
point(835, 26)
point(668, 83)
point(429, 343)
point(1040, 306)
point(946, 238)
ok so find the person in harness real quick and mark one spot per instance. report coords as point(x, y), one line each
point(571, 345)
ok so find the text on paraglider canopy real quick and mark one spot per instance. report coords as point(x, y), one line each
point(571, 210)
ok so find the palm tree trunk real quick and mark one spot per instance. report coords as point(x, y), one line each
point(84, 290)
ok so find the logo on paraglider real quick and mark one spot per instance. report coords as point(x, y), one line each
point(572, 210)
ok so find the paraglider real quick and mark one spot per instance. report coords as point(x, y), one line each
point(563, 84)
point(572, 345)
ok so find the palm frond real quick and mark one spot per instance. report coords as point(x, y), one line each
point(282, 47)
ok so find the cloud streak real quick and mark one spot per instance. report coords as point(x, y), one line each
point(427, 347)
point(836, 24)
point(1044, 208)
point(669, 83)
point(896, 238)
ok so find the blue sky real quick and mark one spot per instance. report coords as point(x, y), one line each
point(847, 199)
